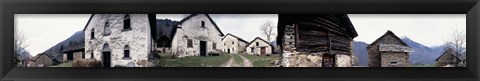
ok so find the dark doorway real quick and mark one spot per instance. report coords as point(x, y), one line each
point(328, 60)
point(228, 51)
point(106, 59)
point(203, 48)
point(69, 56)
point(262, 51)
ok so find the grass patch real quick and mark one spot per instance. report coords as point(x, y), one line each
point(237, 59)
point(65, 64)
point(261, 61)
point(193, 61)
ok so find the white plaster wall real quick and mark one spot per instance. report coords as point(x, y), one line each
point(238, 46)
point(191, 29)
point(268, 49)
point(138, 39)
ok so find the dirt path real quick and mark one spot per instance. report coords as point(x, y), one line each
point(229, 62)
point(246, 62)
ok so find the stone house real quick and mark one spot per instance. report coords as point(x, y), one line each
point(315, 40)
point(260, 47)
point(388, 51)
point(196, 35)
point(233, 44)
point(447, 58)
point(42, 60)
point(74, 53)
point(119, 40)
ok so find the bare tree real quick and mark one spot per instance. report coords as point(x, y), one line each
point(267, 30)
point(20, 45)
point(458, 45)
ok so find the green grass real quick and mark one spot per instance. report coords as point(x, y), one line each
point(193, 61)
point(261, 61)
point(237, 59)
point(65, 64)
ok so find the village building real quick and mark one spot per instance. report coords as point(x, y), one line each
point(196, 35)
point(260, 47)
point(321, 40)
point(388, 51)
point(74, 53)
point(447, 58)
point(233, 44)
point(119, 40)
point(42, 60)
point(164, 35)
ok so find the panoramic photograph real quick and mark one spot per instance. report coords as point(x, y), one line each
point(240, 40)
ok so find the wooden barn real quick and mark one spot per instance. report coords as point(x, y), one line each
point(196, 35)
point(316, 40)
point(260, 47)
point(42, 60)
point(447, 58)
point(388, 51)
point(233, 44)
point(74, 53)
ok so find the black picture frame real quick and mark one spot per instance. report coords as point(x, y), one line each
point(10, 7)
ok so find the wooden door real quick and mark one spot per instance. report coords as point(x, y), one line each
point(262, 51)
point(203, 48)
point(106, 59)
point(328, 60)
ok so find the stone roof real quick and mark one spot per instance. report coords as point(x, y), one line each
point(235, 37)
point(74, 48)
point(394, 48)
point(385, 35)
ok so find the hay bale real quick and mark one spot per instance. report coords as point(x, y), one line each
point(86, 63)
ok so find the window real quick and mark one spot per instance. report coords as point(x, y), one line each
point(214, 46)
point(393, 63)
point(126, 52)
point(106, 29)
point(251, 49)
point(233, 49)
point(92, 34)
point(256, 43)
point(126, 22)
point(83, 55)
point(91, 55)
point(232, 42)
point(189, 43)
point(203, 23)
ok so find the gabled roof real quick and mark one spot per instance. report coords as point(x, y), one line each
point(39, 55)
point(88, 22)
point(235, 37)
point(209, 18)
point(74, 48)
point(449, 51)
point(259, 39)
point(385, 35)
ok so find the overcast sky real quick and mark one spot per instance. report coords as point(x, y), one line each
point(45, 30)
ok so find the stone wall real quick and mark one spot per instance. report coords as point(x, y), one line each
point(375, 57)
point(256, 49)
point(399, 57)
point(138, 38)
point(192, 29)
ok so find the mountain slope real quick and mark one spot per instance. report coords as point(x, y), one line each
point(56, 51)
point(422, 54)
point(360, 52)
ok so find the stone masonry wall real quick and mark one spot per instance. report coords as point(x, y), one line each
point(191, 29)
point(138, 39)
